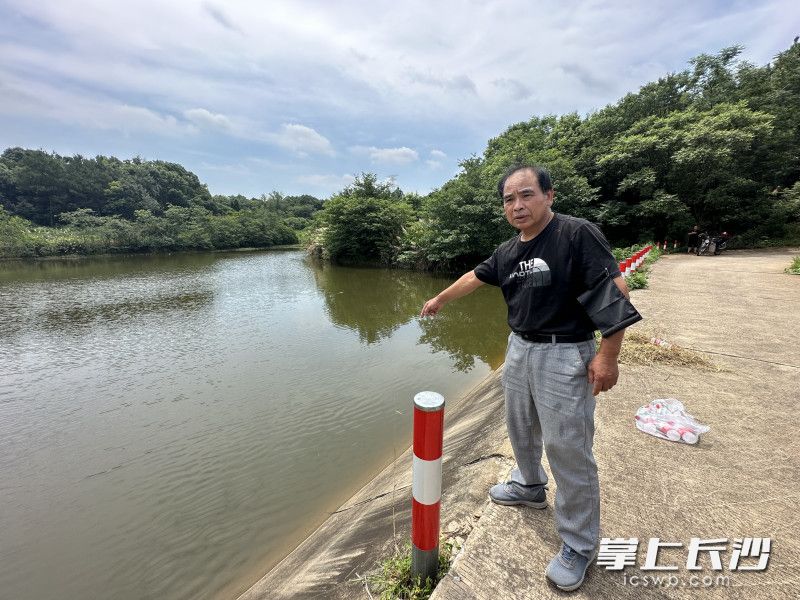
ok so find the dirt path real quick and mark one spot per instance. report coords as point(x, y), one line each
point(741, 304)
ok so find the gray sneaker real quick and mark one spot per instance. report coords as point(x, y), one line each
point(511, 493)
point(567, 569)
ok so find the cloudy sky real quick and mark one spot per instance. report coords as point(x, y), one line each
point(299, 96)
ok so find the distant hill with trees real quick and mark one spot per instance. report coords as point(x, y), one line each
point(52, 205)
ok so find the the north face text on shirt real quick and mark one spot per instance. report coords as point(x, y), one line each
point(535, 272)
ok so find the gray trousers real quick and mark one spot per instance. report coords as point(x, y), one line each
point(549, 403)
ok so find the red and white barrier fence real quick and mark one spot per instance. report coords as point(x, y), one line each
point(628, 266)
point(427, 483)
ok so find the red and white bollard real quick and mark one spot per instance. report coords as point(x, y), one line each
point(629, 265)
point(427, 484)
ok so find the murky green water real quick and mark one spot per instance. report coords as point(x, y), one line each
point(170, 427)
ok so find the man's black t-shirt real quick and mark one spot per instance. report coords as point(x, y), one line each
point(542, 278)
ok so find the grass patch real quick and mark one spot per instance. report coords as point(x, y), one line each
point(637, 349)
point(638, 279)
point(393, 580)
point(794, 268)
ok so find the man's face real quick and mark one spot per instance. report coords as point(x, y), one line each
point(527, 208)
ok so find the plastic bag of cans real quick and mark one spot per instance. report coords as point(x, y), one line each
point(668, 419)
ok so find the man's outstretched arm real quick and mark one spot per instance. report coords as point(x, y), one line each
point(465, 284)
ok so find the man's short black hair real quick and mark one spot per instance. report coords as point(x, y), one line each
point(542, 177)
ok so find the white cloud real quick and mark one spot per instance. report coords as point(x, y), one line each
point(435, 160)
point(335, 182)
point(514, 88)
point(138, 118)
point(44, 100)
point(206, 119)
point(392, 156)
point(412, 59)
point(458, 83)
point(302, 140)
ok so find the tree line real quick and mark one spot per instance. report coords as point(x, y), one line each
point(52, 205)
point(716, 145)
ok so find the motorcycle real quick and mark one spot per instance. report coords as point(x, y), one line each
point(712, 244)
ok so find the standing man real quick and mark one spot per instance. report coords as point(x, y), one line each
point(691, 239)
point(561, 283)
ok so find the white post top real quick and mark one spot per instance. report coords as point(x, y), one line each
point(429, 401)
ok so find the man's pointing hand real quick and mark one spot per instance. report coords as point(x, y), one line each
point(431, 307)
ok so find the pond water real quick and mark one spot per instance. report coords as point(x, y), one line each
point(172, 426)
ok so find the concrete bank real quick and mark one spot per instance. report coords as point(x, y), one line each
point(743, 479)
point(365, 529)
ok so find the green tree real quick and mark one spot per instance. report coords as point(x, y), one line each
point(189, 227)
point(463, 220)
point(39, 185)
point(365, 222)
point(15, 235)
point(698, 158)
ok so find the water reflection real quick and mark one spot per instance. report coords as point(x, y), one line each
point(472, 327)
point(66, 297)
point(372, 302)
point(67, 317)
point(102, 267)
point(377, 302)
